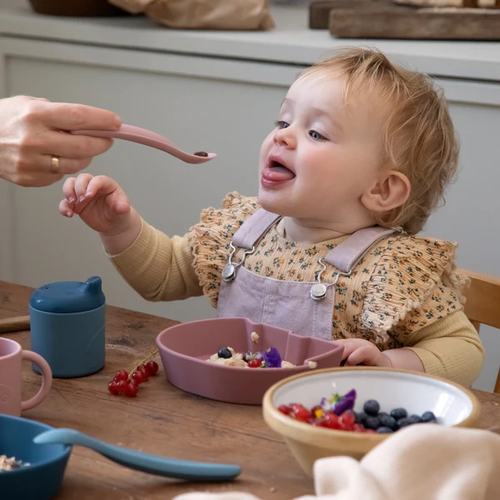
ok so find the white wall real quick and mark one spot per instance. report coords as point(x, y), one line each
point(206, 104)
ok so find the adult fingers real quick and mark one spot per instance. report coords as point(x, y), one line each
point(71, 146)
point(69, 116)
point(62, 166)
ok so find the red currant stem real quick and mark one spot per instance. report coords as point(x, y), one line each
point(147, 359)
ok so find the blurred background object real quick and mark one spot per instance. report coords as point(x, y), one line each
point(76, 8)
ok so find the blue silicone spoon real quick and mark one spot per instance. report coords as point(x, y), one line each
point(152, 464)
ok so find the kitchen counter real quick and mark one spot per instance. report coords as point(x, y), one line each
point(290, 42)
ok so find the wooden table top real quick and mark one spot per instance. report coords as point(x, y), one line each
point(162, 420)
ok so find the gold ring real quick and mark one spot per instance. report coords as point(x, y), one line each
point(54, 166)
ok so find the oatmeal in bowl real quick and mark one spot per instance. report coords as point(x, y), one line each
point(269, 358)
point(236, 360)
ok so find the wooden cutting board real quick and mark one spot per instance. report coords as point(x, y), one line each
point(383, 19)
point(17, 324)
point(319, 10)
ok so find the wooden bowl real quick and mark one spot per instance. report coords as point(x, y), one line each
point(76, 8)
point(452, 404)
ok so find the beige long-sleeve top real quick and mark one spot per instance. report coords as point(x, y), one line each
point(405, 292)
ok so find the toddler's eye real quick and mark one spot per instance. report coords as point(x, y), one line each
point(315, 135)
point(281, 124)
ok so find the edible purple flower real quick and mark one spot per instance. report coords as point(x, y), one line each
point(344, 403)
point(272, 358)
point(252, 355)
point(325, 404)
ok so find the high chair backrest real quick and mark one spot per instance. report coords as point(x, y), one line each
point(483, 304)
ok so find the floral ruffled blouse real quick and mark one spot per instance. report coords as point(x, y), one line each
point(401, 285)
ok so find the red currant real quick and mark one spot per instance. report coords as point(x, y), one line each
point(331, 421)
point(254, 363)
point(144, 370)
point(300, 412)
point(121, 375)
point(113, 389)
point(359, 428)
point(152, 367)
point(131, 389)
point(139, 376)
point(346, 421)
point(120, 385)
point(286, 410)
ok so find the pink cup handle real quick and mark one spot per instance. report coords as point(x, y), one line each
point(46, 380)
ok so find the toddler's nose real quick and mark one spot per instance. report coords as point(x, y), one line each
point(285, 137)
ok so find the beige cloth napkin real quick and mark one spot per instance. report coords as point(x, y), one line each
point(421, 462)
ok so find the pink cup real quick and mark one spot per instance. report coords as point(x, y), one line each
point(11, 356)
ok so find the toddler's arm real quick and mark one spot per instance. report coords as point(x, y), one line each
point(157, 267)
point(450, 348)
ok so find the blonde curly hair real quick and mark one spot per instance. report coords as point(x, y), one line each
point(419, 136)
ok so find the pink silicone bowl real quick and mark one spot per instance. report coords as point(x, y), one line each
point(185, 348)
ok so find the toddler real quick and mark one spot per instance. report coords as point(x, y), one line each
point(359, 158)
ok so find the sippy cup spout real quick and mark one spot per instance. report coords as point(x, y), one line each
point(93, 285)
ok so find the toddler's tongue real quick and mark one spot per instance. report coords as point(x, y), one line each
point(279, 173)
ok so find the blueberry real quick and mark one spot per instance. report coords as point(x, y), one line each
point(384, 430)
point(382, 414)
point(429, 417)
point(362, 416)
point(372, 423)
point(371, 407)
point(224, 353)
point(404, 422)
point(415, 419)
point(398, 413)
point(388, 421)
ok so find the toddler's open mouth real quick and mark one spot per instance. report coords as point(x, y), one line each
point(277, 171)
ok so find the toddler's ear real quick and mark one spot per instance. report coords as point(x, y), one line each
point(388, 193)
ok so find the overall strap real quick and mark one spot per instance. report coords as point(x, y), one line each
point(253, 228)
point(346, 255)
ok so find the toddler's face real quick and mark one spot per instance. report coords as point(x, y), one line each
point(322, 155)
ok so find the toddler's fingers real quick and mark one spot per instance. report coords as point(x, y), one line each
point(69, 191)
point(363, 355)
point(349, 347)
point(82, 181)
point(116, 199)
point(101, 184)
point(65, 208)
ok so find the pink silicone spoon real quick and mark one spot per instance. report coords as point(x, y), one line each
point(148, 138)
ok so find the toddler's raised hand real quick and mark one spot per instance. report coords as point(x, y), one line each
point(362, 352)
point(99, 201)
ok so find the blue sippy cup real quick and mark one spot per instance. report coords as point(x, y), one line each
point(67, 326)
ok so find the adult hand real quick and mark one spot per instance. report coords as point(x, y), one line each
point(34, 131)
